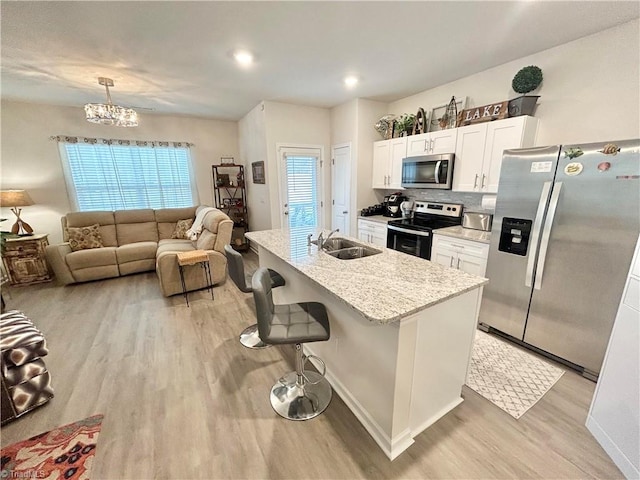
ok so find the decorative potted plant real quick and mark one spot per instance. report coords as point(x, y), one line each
point(525, 81)
point(404, 124)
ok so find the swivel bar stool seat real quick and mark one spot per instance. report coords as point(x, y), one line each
point(249, 336)
point(302, 394)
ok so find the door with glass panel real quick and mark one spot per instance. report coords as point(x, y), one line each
point(300, 189)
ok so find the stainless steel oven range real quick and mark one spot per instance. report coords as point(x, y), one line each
point(413, 235)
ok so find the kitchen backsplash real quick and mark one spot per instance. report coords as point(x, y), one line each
point(471, 201)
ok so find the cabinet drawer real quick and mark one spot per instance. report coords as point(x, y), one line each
point(21, 250)
point(463, 246)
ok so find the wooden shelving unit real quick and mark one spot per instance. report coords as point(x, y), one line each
point(230, 197)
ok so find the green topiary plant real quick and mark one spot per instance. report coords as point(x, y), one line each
point(527, 79)
point(404, 123)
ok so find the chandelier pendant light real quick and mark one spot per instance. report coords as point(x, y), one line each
point(110, 114)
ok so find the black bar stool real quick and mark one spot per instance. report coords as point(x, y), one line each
point(249, 336)
point(303, 394)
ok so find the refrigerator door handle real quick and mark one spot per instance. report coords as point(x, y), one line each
point(535, 233)
point(546, 233)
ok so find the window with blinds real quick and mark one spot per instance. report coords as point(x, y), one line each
point(302, 190)
point(109, 176)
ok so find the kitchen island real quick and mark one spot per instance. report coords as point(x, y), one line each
point(402, 330)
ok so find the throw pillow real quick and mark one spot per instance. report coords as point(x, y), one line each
point(181, 228)
point(82, 238)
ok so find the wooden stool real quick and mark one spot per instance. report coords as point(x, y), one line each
point(194, 257)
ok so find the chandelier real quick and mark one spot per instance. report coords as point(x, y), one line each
point(110, 114)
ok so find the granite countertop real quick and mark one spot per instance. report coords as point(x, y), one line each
point(384, 288)
point(465, 234)
point(377, 218)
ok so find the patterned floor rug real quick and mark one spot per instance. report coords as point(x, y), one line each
point(507, 376)
point(66, 453)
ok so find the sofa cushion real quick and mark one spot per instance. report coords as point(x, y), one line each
point(106, 220)
point(167, 218)
point(96, 257)
point(181, 228)
point(136, 226)
point(174, 246)
point(83, 238)
point(133, 252)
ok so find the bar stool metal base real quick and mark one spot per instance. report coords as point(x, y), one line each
point(250, 338)
point(300, 400)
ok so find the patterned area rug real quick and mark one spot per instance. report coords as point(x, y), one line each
point(507, 376)
point(66, 453)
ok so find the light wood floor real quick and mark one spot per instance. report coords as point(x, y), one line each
point(183, 399)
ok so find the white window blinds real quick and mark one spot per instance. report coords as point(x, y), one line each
point(122, 175)
point(302, 187)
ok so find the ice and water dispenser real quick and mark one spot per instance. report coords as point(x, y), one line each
point(514, 236)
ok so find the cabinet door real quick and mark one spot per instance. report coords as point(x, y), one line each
point(442, 252)
point(467, 166)
point(398, 152)
point(502, 135)
point(417, 144)
point(380, 170)
point(443, 141)
point(379, 234)
point(471, 264)
point(364, 230)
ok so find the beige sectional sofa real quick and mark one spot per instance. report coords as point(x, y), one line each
point(140, 241)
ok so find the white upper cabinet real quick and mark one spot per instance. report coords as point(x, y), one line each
point(479, 150)
point(387, 163)
point(443, 141)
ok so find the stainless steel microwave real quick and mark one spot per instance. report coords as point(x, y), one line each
point(428, 171)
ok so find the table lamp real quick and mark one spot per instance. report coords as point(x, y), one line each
point(15, 199)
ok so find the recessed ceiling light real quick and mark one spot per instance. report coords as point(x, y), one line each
point(243, 57)
point(351, 81)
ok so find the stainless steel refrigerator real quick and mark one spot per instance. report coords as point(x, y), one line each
point(566, 222)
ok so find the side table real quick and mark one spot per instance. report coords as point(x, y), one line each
point(194, 257)
point(24, 259)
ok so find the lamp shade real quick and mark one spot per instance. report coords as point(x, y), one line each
point(15, 198)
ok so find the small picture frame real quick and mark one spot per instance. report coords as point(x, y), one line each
point(223, 180)
point(257, 170)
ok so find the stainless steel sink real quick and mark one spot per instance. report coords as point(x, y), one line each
point(333, 244)
point(350, 253)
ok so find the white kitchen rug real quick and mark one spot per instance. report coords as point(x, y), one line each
point(507, 376)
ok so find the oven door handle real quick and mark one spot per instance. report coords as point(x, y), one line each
point(419, 233)
point(437, 171)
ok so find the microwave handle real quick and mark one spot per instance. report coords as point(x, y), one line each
point(437, 172)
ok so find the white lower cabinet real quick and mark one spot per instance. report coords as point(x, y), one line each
point(614, 416)
point(465, 255)
point(372, 232)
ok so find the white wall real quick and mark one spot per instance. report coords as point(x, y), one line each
point(253, 148)
point(353, 122)
point(30, 161)
point(590, 90)
point(295, 125)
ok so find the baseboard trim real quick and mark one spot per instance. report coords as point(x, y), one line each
point(617, 456)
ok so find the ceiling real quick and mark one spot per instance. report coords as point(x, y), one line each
point(175, 57)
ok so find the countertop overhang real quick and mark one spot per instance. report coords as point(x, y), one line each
point(384, 288)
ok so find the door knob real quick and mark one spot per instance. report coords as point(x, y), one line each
point(345, 212)
point(286, 213)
